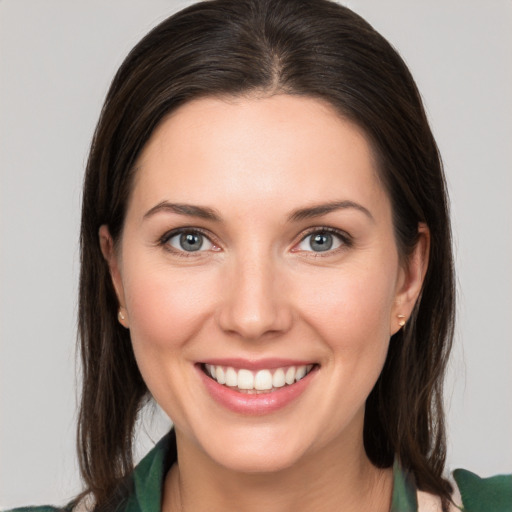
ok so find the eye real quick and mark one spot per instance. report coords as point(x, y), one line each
point(322, 241)
point(189, 241)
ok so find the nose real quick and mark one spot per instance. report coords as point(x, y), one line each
point(255, 302)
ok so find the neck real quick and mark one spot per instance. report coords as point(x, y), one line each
point(335, 479)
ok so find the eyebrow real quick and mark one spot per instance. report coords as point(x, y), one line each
point(206, 213)
point(325, 208)
point(201, 212)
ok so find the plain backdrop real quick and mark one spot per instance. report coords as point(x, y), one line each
point(57, 58)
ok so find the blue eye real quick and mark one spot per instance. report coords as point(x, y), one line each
point(190, 241)
point(321, 241)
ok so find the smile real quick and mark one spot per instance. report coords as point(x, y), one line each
point(256, 382)
point(256, 387)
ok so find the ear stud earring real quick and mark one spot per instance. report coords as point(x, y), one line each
point(401, 320)
point(120, 316)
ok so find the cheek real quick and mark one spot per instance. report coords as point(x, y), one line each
point(352, 308)
point(166, 309)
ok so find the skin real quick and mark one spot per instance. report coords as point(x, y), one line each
point(260, 290)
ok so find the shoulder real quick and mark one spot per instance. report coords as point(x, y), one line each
point(472, 494)
point(139, 490)
point(484, 494)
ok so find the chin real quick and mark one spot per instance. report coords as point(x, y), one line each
point(254, 450)
point(262, 460)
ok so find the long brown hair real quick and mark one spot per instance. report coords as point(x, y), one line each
point(314, 48)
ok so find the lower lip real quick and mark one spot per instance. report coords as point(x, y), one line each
point(255, 404)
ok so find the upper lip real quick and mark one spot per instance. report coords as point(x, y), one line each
point(256, 364)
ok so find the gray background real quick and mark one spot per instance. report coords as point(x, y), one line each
point(56, 61)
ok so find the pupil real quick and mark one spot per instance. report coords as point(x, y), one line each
point(321, 242)
point(191, 241)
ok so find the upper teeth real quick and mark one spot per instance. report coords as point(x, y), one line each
point(261, 380)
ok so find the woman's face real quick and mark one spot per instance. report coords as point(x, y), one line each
point(258, 245)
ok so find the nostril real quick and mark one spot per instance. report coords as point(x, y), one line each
point(254, 325)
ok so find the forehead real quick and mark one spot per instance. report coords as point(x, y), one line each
point(282, 148)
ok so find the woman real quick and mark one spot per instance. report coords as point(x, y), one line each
point(266, 252)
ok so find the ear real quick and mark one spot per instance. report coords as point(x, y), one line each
point(112, 259)
point(410, 280)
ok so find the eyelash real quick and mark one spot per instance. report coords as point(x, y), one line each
point(345, 239)
point(164, 241)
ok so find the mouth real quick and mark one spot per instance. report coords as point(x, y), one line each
point(255, 388)
point(255, 382)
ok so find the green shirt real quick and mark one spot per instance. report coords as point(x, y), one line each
point(143, 490)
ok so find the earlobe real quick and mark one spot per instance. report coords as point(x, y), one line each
point(109, 253)
point(412, 279)
point(122, 317)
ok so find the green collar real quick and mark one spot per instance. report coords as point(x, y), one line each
point(404, 491)
point(149, 475)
